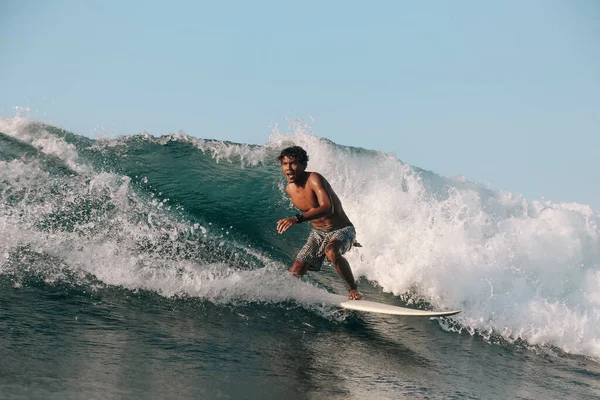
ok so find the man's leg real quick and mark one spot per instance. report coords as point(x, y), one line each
point(298, 268)
point(333, 252)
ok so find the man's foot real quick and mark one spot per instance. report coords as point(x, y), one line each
point(355, 295)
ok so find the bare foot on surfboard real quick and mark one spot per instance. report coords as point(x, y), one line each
point(355, 295)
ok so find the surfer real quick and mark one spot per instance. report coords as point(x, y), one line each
point(332, 232)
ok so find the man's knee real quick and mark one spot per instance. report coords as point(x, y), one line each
point(298, 268)
point(332, 252)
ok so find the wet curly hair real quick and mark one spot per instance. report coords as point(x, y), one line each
point(295, 152)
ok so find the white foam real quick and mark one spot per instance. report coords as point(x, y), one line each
point(522, 269)
point(245, 154)
point(34, 134)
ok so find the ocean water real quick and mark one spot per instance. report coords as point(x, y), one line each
point(150, 267)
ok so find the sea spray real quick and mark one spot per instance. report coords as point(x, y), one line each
point(526, 270)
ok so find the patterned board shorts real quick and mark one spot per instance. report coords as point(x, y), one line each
point(313, 252)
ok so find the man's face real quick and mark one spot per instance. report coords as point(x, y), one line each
point(292, 169)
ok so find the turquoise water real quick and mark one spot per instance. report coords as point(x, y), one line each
point(150, 267)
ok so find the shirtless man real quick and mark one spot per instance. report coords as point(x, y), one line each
point(332, 232)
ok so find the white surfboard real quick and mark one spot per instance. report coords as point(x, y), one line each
point(371, 306)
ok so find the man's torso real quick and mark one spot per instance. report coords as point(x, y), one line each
point(305, 198)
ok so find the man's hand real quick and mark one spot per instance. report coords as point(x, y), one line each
point(285, 224)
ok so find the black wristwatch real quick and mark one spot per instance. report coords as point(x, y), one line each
point(299, 218)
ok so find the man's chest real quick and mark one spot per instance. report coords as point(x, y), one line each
point(304, 198)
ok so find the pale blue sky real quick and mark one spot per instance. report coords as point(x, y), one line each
point(506, 93)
